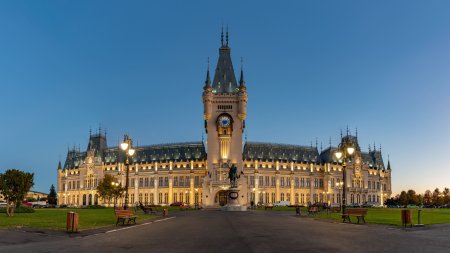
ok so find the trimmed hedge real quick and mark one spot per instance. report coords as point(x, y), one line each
point(20, 209)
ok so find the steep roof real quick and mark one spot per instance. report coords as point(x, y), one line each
point(224, 78)
point(153, 153)
point(284, 152)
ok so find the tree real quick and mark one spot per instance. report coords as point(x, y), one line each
point(428, 198)
point(52, 198)
point(436, 197)
point(14, 185)
point(446, 194)
point(412, 197)
point(403, 198)
point(106, 190)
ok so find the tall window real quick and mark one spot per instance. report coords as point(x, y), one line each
point(282, 197)
point(282, 182)
point(296, 183)
point(267, 181)
point(261, 180)
point(308, 182)
point(175, 181)
point(274, 181)
point(302, 182)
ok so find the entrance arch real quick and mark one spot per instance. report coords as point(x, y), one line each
point(221, 198)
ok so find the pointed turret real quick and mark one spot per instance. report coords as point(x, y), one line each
point(389, 164)
point(207, 86)
point(224, 78)
point(241, 79)
point(59, 166)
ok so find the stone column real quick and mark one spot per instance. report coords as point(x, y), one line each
point(170, 189)
point(256, 183)
point(155, 190)
point(192, 191)
point(277, 187)
point(292, 198)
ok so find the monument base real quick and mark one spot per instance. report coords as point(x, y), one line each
point(233, 202)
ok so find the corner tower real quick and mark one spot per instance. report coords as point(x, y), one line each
point(225, 110)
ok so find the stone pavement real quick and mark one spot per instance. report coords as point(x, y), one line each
point(252, 231)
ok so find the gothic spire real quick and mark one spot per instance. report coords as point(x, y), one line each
point(227, 36)
point(224, 77)
point(242, 80)
point(59, 165)
point(221, 36)
point(208, 79)
point(389, 164)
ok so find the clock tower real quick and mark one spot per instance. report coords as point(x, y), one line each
point(224, 112)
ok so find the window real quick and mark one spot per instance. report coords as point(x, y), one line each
point(378, 185)
point(321, 183)
point(288, 196)
point(274, 181)
point(282, 182)
point(282, 197)
point(296, 183)
point(175, 181)
point(302, 182)
point(141, 182)
point(175, 195)
point(261, 181)
point(316, 183)
point(166, 198)
point(152, 182)
point(370, 186)
point(160, 183)
point(288, 182)
point(225, 107)
point(132, 183)
point(332, 182)
point(166, 183)
point(151, 198)
point(146, 182)
point(308, 182)
point(296, 198)
point(181, 181)
point(252, 180)
point(187, 181)
point(267, 181)
point(196, 183)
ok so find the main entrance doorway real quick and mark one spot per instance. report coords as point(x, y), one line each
point(221, 198)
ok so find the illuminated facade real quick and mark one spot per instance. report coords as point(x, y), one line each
point(196, 172)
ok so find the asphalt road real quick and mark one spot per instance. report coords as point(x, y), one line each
point(253, 231)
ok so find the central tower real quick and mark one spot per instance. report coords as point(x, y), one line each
point(225, 110)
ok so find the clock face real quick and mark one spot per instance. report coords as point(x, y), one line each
point(224, 121)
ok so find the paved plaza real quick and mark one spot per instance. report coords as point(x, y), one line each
point(216, 231)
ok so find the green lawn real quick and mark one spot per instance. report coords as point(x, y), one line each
point(55, 219)
point(387, 216)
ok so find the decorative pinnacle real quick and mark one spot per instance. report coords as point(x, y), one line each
point(227, 35)
point(221, 36)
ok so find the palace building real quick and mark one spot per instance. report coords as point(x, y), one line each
point(197, 172)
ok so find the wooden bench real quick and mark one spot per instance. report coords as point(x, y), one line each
point(146, 209)
point(268, 207)
point(358, 212)
point(125, 215)
point(313, 209)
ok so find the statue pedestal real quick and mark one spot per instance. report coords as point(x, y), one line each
point(233, 201)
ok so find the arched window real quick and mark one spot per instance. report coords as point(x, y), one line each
point(84, 199)
point(96, 199)
point(90, 200)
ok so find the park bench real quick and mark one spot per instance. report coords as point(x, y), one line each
point(358, 212)
point(146, 209)
point(313, 209)
point(125, 215)
point(335, 209)
point(268, 207)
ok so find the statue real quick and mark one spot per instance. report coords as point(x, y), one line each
point(232, 175)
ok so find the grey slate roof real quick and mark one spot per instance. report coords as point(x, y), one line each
point(224, 78)
point(283, 152)
point(153, 153)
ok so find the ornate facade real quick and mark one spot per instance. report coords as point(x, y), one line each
point(196, 172)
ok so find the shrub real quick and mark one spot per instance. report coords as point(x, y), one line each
point(20, 209)
point(95, 207)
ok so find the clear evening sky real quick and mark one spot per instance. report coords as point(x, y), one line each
point(312, 68)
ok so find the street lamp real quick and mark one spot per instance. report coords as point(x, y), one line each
point(339, 186)
point(345, 150)
point(127, 147)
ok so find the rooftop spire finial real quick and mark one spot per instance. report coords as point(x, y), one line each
point(317, 143)
point(330, 142)
point(208, 79)
point(90, 132)
point(341, 133)
point(347, 130)
point(356, 133)
point(370, 150)
point(227, 36)
point(221, 36)
point(242, 80)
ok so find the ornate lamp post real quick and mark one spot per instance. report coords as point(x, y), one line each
point(345, 151)
point(127, 147)
point(339, 186)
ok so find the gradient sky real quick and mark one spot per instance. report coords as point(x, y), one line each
point(312, 68)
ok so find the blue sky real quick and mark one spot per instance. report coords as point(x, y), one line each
point(312, 68)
